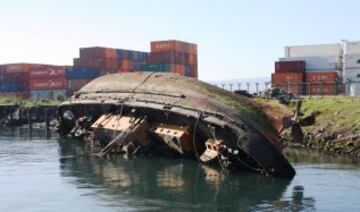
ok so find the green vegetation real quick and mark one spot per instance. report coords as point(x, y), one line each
point(337, 114)
point(337, 127)
point(26, 103)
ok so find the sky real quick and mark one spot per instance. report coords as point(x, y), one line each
point(236, 39)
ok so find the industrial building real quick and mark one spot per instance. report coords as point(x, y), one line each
point(324, 69)
point(40, 81)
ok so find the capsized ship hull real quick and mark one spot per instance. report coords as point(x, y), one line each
point(173, 116)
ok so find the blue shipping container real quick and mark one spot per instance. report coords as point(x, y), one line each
point(48, 94)
point(187, 71)
point(82, 73)
point(12, 86)
point(131, 55)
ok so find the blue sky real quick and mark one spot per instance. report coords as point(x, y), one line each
point(236, 39)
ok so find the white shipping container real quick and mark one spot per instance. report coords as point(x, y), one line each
point(352, 74)
point(352, 47)
point(318, 63)
point(352, 61)
point(314, 50)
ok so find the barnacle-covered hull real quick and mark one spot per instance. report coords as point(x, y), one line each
point(170, 115)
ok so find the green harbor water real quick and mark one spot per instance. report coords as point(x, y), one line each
point(40, 174)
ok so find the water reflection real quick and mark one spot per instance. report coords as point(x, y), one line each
point(37, 132)
point(175, 184)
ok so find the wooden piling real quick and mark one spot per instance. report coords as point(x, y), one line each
point(29, 121)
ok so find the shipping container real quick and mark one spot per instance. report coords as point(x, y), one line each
point(290, 66)
point(2, 69)
point(156, 67)
point(173, 45)
point(124, 54)
point(172, 57)
point(82, 73)
point(75, 85)
point(48, 94)
point(98, 52)
point(284, 78)
point(318, 63)
point(314, 50)
point(322, 89)
point(47, 72)
point(294, 88)
point(19, 94)
point(17, 68)
point(13, 86)
point(14, 77)
point(97, 63)
point(48, 84)
point(321, 76)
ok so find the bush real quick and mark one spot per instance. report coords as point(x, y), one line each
point(60, 98)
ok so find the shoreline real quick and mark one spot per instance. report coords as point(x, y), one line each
point(337, 126)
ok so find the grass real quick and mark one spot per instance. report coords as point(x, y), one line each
point(337, 113)
point(26, 103)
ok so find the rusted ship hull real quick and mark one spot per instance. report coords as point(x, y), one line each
point(173, 116)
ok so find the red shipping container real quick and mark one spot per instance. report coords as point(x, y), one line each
point(322, 89)
point(98, 63)
point(330, 76)
point(48, 84)
point(192, 59)
point(289, 66)
point(47, 72)
point(284, 78)
point(193, 49)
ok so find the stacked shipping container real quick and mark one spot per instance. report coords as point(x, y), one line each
point(109, 60)
point(77, 77)
point(172, 56)
point(321, 67)
point(47, 82)
point(289, 75)
point(14, 80)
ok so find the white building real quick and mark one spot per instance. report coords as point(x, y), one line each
point(342, 57)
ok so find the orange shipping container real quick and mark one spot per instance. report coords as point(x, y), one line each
point(321, 76)
point(17, 68)
point(173, 45)
point(96, 52)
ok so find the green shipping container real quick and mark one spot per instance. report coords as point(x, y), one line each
point(155, 67)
